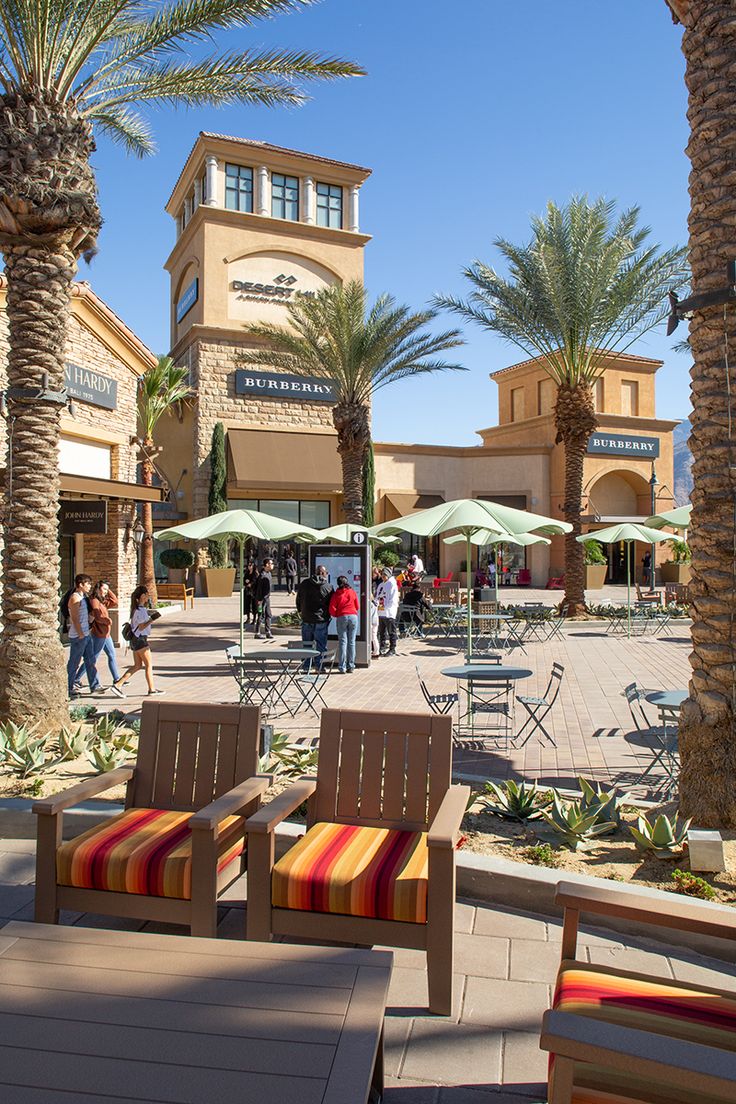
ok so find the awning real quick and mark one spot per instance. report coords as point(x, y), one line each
point(398, 505)
point(110, 488)
point(259, 459)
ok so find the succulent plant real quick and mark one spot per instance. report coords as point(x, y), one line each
point(105, 756)
point(690, 885)
point(72, 743)
point(82, 712)
point(106, 728)
point(293, 761)
point(14, 736)
point(515, 801)
point(27, 756)
point(665, 837)
point(605, 803)
point(576, 826)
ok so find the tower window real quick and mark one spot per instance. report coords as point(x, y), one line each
point(329, 206)
point(238, 188)
point(284, 197)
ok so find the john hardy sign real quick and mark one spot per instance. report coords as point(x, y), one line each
point(614, 444)
point(91, 387)
point(291, 388)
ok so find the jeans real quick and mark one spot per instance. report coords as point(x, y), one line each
point(290, 583)
point(318, 634)
point(347, 627)
point(263, 618)
point(387, 628)
point(105, 644)
point(81, 650)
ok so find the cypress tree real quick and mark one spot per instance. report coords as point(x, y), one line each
point(369, 486)
point(217, 501)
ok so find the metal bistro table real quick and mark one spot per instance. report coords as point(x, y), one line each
point(668, 702)
point(666, 756)
point(265, 675)
point(497, 683)
point(445, 616)
point(497, 630)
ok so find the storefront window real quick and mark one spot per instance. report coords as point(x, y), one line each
point(286, 509)
point(315, 514)
point(509, 558)
point(427, 548)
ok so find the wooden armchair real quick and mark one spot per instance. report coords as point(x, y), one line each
point(626, 1037)
point(377, 863)
point(155, 860)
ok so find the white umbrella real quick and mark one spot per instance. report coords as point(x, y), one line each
point(484, 536)
point(627, 531)
point(678, 518)
point(343, 534)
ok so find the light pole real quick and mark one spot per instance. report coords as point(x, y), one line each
point(653, 484)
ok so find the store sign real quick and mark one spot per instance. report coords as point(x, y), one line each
point(90, 387)
point(84, 516)
point(291, 388)
point(188, 299)
point(282, 288)
point(613, 444)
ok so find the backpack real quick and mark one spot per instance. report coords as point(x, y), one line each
point(127, 632)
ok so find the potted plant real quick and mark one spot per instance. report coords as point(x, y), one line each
point(596, 565)
point(218, 578)
point(177, 561)
point(386, 557)
point(677, 569)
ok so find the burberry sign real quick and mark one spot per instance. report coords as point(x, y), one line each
point(294, 388)
point(614, 444)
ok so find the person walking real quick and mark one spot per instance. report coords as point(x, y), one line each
point(81, 649)
point(141, 620)
point(313, 606)
point(291, 569)
point(646, 564)
point(103, 600)
point(262, 596)
point(388, 607)
point(344, 607)
point(250, 576)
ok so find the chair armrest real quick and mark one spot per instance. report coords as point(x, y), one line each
point(659, 1058)
point(50, 806)
point(266, 819)
point(444, 829)
point(686, 915)
point(230, 803)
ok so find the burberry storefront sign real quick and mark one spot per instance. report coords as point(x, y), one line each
point(614, 444)
point(90, 387)
point(291, 388)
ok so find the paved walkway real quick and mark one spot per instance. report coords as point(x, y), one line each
point(487, 1051)
point(590, 723)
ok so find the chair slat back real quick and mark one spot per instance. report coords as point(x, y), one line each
point(190, 754)
point(446, 592)
point(388, 770)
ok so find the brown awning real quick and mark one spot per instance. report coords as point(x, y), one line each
point(110, 488)
point(399, 505)
point(259, 459)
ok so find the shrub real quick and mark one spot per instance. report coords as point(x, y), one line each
point(681, 552)
point(386, 557)
point(179, 559)
point(82, 712)
point(690, 885)
point(217, 502)
point(542, 854)
point(593, 553)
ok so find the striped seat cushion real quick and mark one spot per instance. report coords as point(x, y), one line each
point(355, 871)
point(147, 851)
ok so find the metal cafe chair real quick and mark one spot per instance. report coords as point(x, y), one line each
point(313, 683)
point(438, 703)
point(257, 679)
point(665, 746)
point(408, 621)
point(538, 708)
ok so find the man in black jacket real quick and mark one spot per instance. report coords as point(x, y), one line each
point(313, 606)
point(262, 596)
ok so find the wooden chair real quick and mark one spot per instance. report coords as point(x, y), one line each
point(382, 802)
point(636, 1037)
point(166, 864)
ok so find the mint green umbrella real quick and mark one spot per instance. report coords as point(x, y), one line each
point(627, 531)
point(484, 536)
point(468, 516)
point(676, 519)
point(342, 534)
point(240, 526)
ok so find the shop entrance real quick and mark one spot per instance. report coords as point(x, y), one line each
point(67, 567)
point(616, 555)
point(314, 513)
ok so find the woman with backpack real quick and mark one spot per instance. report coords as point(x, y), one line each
point(141, 620)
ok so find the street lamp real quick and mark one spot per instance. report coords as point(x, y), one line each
point(138, 533)
point(653, 484)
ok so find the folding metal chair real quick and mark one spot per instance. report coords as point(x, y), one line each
point(408, 622)
point(665, 747)
point(258, 680)
point(438, 703)
point(313, 683)
point(538, 708)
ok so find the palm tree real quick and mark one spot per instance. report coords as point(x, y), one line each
point(708, 718)
point(336, 336)
point(69, 68)
point(159, 390)
point(586, 285)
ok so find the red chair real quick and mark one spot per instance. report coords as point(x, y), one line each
point(439, 582)
point(524, 578)
point(557, 582)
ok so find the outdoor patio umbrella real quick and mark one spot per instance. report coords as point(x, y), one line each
point(240, 526)
point(676, 519)
point(484, 536)
point(627, 531)
point(468, 516)
point(342, 534)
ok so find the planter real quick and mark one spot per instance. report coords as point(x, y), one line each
point(217, 582)
point(177, 574)
point(595, 576)
point(671, 572)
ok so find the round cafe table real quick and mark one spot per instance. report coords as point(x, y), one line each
point(666, 699)
point(490, 675)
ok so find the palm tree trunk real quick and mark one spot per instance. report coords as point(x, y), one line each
point(575, 420)
point(353, 436)
point(32, 660)
point(147, 574)
point(707, 730)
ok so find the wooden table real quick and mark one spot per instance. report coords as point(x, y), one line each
point(89, 1013)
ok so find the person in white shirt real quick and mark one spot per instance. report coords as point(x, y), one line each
point(417, 565)
point(141, 619)
point(387, 597)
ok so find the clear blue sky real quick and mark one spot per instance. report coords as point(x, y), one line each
point(472, 116)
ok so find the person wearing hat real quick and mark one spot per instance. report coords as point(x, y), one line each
point(387, 596)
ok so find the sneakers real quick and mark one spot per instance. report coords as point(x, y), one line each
point(99, 692)
point(350, 670)
point(392, 652)
point(115, 689)
point(150, 692)
point(77, 688)
point(259, 636)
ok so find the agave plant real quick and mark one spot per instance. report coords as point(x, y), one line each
point(106, 728)
point(28, 757)
point(294, 761)
point(82, 712)
point(72, 743)
point(575, 825)
point(515, 801)
point(605, 803)
point(666, 837)
point(14, 736)
point(105, 756)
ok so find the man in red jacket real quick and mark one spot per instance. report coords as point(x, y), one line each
point(344, 607)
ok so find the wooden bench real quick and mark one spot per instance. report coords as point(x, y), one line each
point(177, 592)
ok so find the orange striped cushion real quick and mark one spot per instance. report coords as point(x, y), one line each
point(669, 1008)
point(355, 871)
point(146, 851)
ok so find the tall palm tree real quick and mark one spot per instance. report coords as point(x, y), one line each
point(336, 336)
point(159, 390)
point(584, 286)
point(708, 718)
point(69, 68)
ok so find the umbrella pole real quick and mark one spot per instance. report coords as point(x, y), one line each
point(470, 600)
point(495, 573)
point(628, 587)
point(241, 543)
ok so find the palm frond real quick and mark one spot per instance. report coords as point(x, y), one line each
point(127, 128)
point(159, 389)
